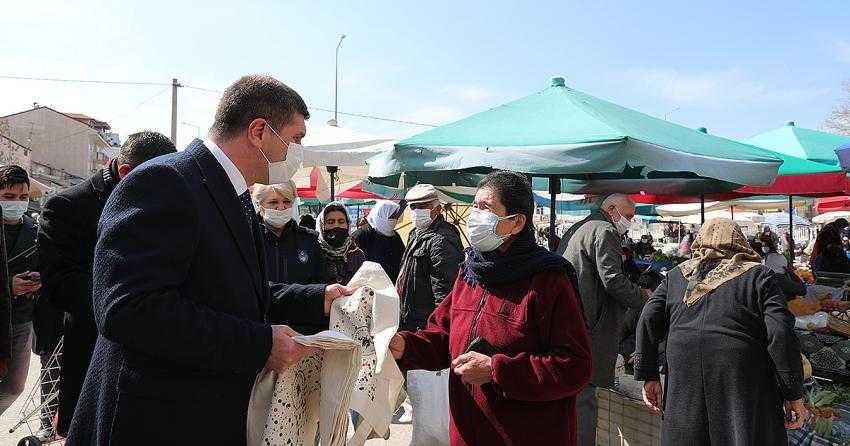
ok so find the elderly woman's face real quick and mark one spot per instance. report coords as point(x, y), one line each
point(486, 199)
point(335, 219)
point(276, 201)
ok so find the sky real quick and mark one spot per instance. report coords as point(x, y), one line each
point(736, 67)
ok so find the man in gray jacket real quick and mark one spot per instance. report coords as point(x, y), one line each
point(593, 247)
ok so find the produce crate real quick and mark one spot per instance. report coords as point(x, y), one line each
point(622, 421)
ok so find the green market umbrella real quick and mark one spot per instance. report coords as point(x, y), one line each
point(592, 145)
point(812, 145)
point(566, 133)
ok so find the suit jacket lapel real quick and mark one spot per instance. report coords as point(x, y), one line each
point(230, 207)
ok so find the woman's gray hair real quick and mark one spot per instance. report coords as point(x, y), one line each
point(286, 190)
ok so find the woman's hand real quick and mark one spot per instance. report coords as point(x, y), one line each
point(652, 396)
point(473, 368)
point(397, 346)
point(795, 407)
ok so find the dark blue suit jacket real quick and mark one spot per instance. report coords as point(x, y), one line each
point(181, 303)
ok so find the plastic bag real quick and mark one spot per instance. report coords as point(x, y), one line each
point(817, 320)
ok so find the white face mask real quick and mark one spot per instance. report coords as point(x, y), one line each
point(421, 218)
point(765, 249)
point(278, 219)
point(14, 210)
point(481, 227)
point(623, 225)
point(283, 171)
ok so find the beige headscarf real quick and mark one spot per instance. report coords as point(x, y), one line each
point(719, 241)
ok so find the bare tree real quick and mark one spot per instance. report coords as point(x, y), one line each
point(838, 120)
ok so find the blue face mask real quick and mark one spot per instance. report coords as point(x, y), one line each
point(14, 210)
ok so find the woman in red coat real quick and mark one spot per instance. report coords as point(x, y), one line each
point(512, 330)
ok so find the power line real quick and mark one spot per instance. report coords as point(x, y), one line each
point(122, 115)
point(357, 115)
point(84, 81)
point(377, 118)
point(208, 90)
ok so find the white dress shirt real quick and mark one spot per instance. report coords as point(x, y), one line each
point(236, 178)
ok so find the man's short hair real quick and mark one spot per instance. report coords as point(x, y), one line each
point(617, 199)
point(252, 97)
point(143, 146)
point(12, 175)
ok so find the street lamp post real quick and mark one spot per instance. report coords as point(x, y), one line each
point(332, 170)
point(336, 79)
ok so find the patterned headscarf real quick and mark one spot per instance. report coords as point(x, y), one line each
point(720, 254)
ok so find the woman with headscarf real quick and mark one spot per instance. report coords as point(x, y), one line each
point(379, 239)
point(829, 255)
point(342, 256)
point(512, 330)
point(733, 361)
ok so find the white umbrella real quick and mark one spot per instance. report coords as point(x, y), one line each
point(830, 217)
point(744, 218)
point(329, 145)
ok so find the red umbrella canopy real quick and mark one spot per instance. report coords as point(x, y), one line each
point(832, 204)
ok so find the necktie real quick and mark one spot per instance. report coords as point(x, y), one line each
point(250, 212)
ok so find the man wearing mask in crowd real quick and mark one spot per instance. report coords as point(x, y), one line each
point(67, 237)
point(593, 248)
point(429, 268)
point(20, 233)
point(185, 314)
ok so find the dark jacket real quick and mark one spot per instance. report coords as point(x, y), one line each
point(542, 361)
point(833, 260)
point(295, 257)
point(429, 268)
point(592, 246)
point(181, 299)
point(23, 257)
point(66, 250)
point(383, 250)
point(5, 302)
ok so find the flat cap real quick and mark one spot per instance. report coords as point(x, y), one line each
point(421, 193)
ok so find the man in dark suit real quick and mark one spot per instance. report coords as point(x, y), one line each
point(67, 236)
point(184, 312)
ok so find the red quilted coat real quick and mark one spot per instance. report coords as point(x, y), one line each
point(543, 361)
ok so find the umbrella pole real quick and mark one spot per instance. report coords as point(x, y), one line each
point(702, 208)
point(791, 230)
point(554, 190)
point(732, 211)
point(332, 170)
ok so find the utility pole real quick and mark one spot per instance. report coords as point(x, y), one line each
point(174, 85)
